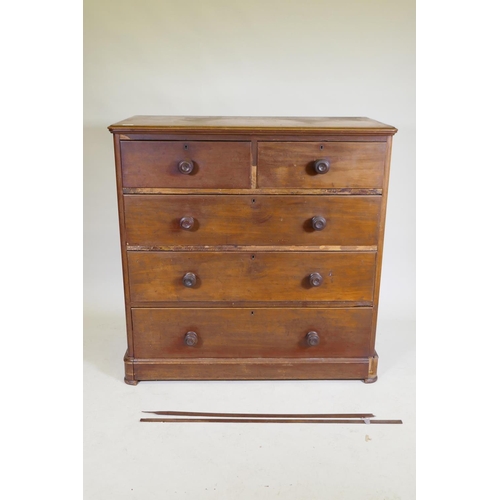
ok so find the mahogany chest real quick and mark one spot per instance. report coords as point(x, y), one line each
point(251, 246)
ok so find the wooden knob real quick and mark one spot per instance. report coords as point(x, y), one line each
point(186, 223)
point(191, 339)
point(321, 166)
point(315, 279)
point(312, 338)
point(318, 223)
point(189, 280)
point(186, 167)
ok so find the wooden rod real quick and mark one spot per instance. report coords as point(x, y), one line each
point(262, 415)
point(269, 421)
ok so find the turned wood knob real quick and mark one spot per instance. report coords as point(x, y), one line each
point(321, 166)
point(312, 338)
point(186, 167)
point(186, 223)
point(189, 280)
point(315, 279)
point(191, 339)
point(318, 223)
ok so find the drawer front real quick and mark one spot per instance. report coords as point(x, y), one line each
point(246, 276)
point(244, 333)
point(292, 164)
point(159, 220)
point(156, 164)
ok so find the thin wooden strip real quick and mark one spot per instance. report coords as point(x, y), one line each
point(262, 415)
point(269, 421)
point(250, 304)
point(270, 191)
point(251, 248)
point(253, 177)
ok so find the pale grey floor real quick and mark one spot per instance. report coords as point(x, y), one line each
point(125, 459)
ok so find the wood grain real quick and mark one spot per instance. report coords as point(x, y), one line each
point(157, 276)
point(154, 220)
point(150, 164)
point(159, 333)
point(263, 191)
point(291, 164)
point(241, 124)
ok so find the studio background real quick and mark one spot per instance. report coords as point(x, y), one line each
point(261, 58)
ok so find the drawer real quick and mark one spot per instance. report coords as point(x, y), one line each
point(206, 164)
point(349, 164)
point(245, 333)
point(246, 276)
point(156, 220)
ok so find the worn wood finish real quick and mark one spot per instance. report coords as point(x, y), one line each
point(253, 248)
point(251, 276)
point(292, 164)
point(253, 124)
point(266, 191)
point(279, 304)
point(155, 220)
point(224, 216)
point(147, 164)
point(247, 333)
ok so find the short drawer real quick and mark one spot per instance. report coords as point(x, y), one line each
point(246, 276)
point(185, 164)
point(161, 220)
point(321, 165)
point(245, 333)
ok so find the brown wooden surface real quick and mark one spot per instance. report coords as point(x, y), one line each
point(239, 124)
point(378, 269)
point(159, 333)
point(251, 369)
point(157, 276)
point(216, 164)
point(154, 220)
point(123, 247)
point(259, 415)
point(266, 421)
point(291, 164)
point(254, 259)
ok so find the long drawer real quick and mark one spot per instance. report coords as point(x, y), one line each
point(186, 164)
point(246, 276)
point(340, 164)
point(244, 333)
point(161, 220)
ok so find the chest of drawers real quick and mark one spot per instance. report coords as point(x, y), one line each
point(251, 247)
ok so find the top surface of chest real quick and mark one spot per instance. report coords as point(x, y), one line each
point(253, 124)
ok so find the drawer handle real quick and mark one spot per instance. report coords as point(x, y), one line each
point(186, 167)
point(191, 339)
point(186, 223)
point(312, 339)
point(322, 166)
point(318, 223)
point(315, 279)
point(189, 280)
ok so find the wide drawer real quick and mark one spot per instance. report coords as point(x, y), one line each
point(246, 276)
point(206, 164)
point(348, 164)
point(244, 333)
point(161, 220)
